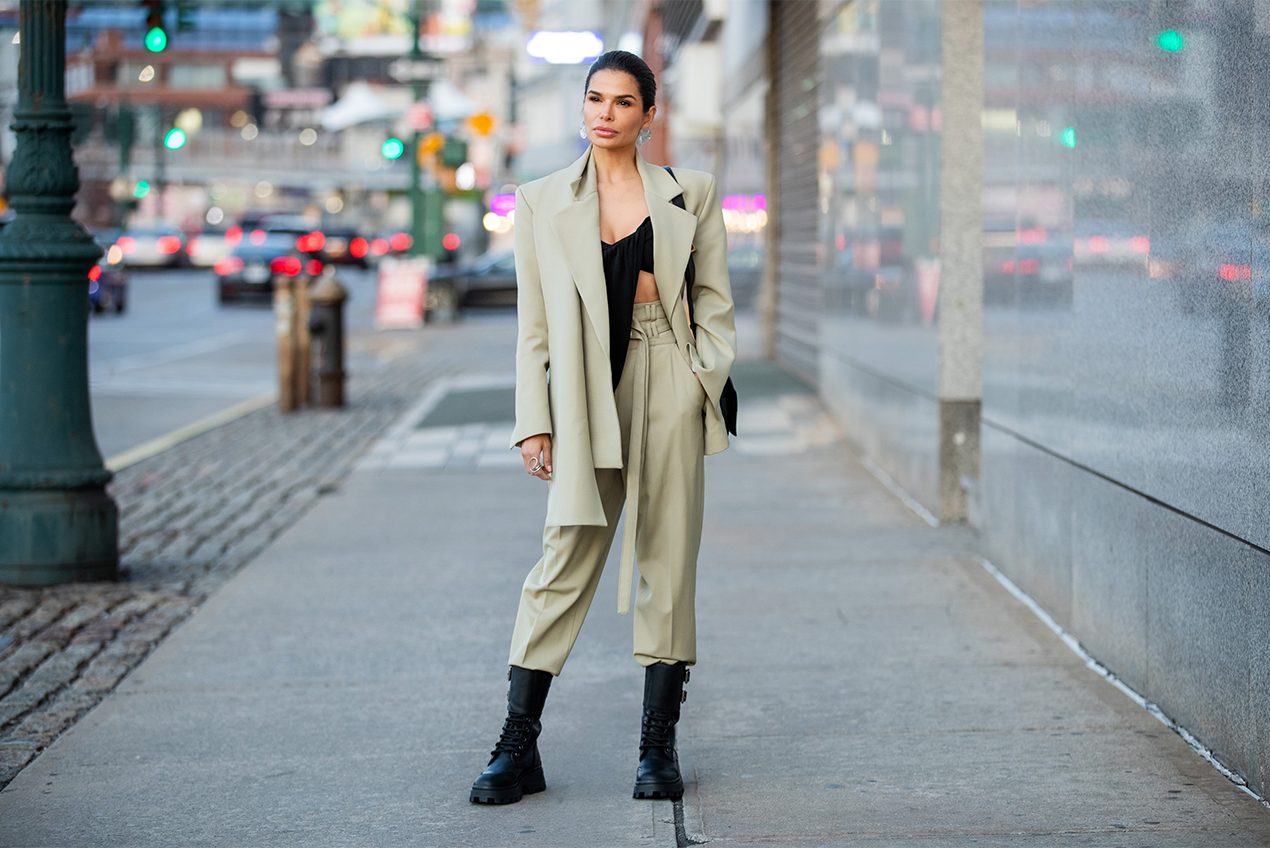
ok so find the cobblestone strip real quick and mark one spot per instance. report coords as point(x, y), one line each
point(189, 518)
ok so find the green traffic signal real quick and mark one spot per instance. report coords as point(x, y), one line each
point(393, 148)
point(1170, 41)
point(156, 39)
point(141, 189)
point(175, 139)
point(1068, 137)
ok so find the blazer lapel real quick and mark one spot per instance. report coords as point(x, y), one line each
point(673, 231)
point(577, 227)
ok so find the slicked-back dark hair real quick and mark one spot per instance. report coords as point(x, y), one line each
point(628, 63)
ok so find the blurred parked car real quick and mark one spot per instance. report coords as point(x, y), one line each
point(256, 264)
point(108, 281)
point(213, 244)
point(489, 280)
point(389, 243)
point(153, 246)
point(344, 246)
point(1214, 265)
point(1029, 266)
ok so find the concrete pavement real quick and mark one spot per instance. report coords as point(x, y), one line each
point(862, 680)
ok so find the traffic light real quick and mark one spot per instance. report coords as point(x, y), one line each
point(185, 15)
point(392, 149)
point(156, 37)
point(141, 189)
point(175, 139)
point(1170, 41)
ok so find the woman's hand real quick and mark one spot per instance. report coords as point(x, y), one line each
point(535, 452)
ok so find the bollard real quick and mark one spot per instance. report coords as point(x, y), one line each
point(302, 343)
point(285, 330)
point(326, 324)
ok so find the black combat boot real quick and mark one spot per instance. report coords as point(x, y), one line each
point(515, 769)
point(658, 773)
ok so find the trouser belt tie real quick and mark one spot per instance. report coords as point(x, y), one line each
point(649, 332)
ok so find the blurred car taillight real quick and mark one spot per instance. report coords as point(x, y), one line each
point(288, 266)
point(379, 246)
point(313, 267)
point(234, 235)
point(310, 242)
point(94, 273)
point(359, 247)
point(169, 244)
point(228, 265)
point(400, 242)
point(127, 244)
point(1231, 272)
point(257, 236)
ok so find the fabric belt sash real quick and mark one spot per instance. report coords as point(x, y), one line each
point(650, 327)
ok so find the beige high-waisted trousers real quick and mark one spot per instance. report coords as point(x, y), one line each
point(662, 486)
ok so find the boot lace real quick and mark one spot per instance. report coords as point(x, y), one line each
point(517, 733)
point(657, 732)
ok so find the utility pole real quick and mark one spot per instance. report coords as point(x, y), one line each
point(418, 213)
point(160, 162)
point(57, 523)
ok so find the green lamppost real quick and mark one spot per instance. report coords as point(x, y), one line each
point(57, 524)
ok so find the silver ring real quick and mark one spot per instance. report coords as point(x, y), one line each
point(535, 467)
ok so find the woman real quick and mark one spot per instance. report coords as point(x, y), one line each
point(629, 411)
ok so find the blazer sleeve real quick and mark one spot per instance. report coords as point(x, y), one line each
point(712, 306)
point(533, 407)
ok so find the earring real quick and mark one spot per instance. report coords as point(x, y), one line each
point(582, 131)
point(644, 135)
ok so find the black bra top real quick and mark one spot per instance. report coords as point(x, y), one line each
point(623, 260)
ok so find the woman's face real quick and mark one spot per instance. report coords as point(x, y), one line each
point(612, 110)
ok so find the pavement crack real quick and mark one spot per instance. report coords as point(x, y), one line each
point(682, 839)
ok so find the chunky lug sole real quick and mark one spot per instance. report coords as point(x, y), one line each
point(656, 790)
point(530, 782)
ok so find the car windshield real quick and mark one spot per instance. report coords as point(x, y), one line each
point(275, 244)
point(152, 231)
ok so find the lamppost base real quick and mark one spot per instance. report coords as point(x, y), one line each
point(58, 536)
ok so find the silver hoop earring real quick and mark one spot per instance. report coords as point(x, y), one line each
point(644, 135)
point(582, 131)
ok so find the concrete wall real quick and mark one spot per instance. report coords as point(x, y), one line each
point(1125, 318)
point(1127, 332)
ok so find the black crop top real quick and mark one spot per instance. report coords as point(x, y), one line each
point(623, 260)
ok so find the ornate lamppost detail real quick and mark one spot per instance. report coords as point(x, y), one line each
point(57, 523)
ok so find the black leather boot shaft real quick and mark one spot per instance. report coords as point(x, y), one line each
point(515, 767)
point(658, 775)
point(527, 690)
point(664, 687)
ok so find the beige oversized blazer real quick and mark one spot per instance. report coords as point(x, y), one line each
point(564, 382)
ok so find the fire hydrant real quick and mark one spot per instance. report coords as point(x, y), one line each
point(326, 324)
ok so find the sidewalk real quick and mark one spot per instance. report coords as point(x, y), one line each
point(862, 680)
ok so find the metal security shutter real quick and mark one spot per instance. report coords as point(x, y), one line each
point(794, 130)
